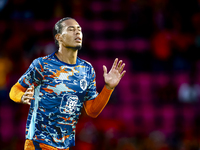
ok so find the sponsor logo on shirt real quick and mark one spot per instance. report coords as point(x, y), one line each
point(68, 104)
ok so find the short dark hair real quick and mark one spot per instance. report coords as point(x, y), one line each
point(58, 28)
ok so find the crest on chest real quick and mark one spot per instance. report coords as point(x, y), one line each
point(83, 84)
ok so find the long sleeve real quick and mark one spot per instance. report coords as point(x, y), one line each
point(94, 107)
point(33, 76)
point(16, 92)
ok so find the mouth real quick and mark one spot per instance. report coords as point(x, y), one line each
point(78, 39)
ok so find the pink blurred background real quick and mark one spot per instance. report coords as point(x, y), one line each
point(155, 106)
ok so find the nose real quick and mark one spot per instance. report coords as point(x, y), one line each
point(77, 32)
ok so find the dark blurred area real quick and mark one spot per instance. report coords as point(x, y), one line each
point(156, 104)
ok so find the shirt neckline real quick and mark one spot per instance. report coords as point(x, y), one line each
point(65, 62)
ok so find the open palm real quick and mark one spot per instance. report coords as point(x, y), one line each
point(113, 77)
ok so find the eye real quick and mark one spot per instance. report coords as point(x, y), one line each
point(70, 29)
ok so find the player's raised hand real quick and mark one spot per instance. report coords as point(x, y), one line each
point(113, 77)
point(28, 95)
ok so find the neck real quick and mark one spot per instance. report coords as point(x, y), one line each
point(67, 55)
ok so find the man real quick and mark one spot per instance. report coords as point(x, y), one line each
point(57, 86)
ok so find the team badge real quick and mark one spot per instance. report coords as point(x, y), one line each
point(83, 84)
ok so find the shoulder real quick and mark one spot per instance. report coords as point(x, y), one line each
point(49, 57)
point(85, 63)
point(41, 60)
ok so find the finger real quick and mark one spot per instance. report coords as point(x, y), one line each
point(27, 102)
point(31, 88)
point(27, 97)
point(28, 93)
point(115, 63)
point(121, 68)
point(123, 73)
point(104, 69)
point(119, 65)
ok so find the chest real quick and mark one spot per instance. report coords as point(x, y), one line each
point(59, 79)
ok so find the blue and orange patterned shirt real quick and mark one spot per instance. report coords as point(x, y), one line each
point(60, 90)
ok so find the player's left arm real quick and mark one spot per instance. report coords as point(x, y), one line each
point(112, 78)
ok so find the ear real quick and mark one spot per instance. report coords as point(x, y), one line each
point(58, 37)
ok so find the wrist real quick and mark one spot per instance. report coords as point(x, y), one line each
point(108, 87)
point(22, 98)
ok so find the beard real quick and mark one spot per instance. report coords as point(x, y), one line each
point(75, 48)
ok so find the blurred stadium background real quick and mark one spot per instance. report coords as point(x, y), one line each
point(155, 106)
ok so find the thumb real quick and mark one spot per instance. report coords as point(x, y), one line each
point(104, 69)
point(32, 88)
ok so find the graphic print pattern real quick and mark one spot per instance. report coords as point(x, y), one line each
point(60, 90)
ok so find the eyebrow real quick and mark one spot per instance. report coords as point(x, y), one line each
point(73, 27)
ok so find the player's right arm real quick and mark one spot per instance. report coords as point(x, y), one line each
point(23, 90)
point(20, 94)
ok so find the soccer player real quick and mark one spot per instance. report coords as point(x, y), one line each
point(57, 86)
